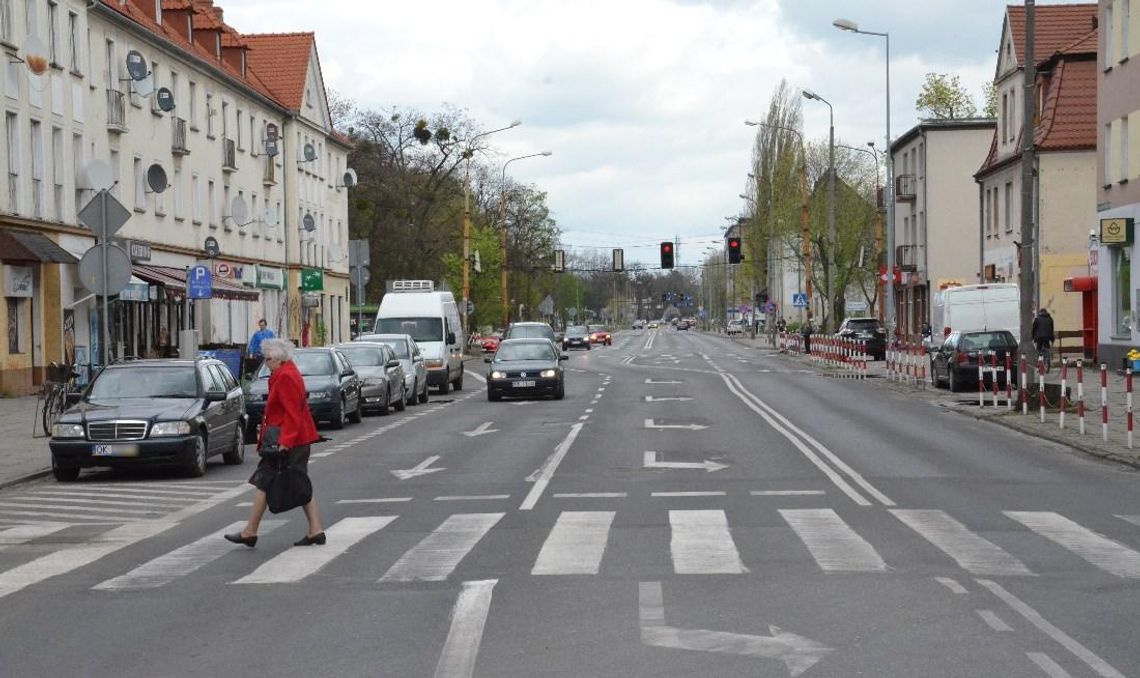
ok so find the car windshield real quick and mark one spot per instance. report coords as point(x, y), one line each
point(863, 325)
point(597, 328)
point(420, 329)
point(399, 347)
point(527, 351)
point(986, 341)
point(364, 356)
point(530, 332)
point(145, 382)
point(577, 331)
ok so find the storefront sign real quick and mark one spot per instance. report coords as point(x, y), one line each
point(312, 280)
point(1116, 231)
point(17, 281)
point(272, 278)
point(135, 292)
point(139, 251)
point(229, 271)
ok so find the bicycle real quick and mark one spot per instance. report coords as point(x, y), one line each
point(1045, 350)
point(53, 397)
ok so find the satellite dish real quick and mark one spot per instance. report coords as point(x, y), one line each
point(165, 99)
point(310, 153)
point(36, 55)
point(136, 65)
point(271, 216)
point(156, 178)
point(144, 86)
point(239, 210)
point(309, 223)
point(97, 176)
point(349, 179)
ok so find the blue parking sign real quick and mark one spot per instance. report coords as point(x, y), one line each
point(199, 283)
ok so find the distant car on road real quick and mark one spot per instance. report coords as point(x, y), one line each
point(734, 327)
point(491, 343)
point(955, 362)
point(869, 331)
point(526, 367)
point(577, 336)
point(600, 335)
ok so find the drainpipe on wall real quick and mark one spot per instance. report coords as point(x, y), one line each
point(925, 231)
point(981, 231)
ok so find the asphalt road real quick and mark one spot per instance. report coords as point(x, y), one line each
point(692, 508)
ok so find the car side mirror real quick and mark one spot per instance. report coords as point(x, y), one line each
point(393, 363)
point(73, 397)
point(451, 337)
point(486, 358)
point(348, 373)
point(215, 396)
point(563, 356)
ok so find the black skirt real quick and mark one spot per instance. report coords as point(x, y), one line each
point(298, 458)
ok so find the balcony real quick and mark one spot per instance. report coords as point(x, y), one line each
point(270, 176)
point(178, 142)
point(907, 257)
point(229, 155)
point(905, 187)
point(116, 111)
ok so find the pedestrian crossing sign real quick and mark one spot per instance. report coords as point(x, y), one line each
point(799, 300)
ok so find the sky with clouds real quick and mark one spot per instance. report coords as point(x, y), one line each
point(641, 101)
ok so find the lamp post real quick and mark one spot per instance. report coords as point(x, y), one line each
point(503, 235)
point(829, 263)
point(805, 224)
point(874, 153)
point(889, 198)
point(467, 222)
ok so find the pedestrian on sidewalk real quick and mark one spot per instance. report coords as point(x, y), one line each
point(1042, 332)
point(286, 407)
point(253, 350)
point(806, 332)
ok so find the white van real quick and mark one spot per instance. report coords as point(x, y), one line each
point(994, 306)
point(432, 319)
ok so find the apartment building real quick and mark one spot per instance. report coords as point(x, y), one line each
point(164, 101)
point(1117, 198)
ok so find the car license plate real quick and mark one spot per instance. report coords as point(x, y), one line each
point(114, 450)
point(522, 384)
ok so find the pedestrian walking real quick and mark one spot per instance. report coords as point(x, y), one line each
point(806, 332)
point(1042, 332)
point(287, 409)
point(253, 349)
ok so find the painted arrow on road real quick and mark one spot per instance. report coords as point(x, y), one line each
point(651, 399)
point(651, 461)
point(797, 652)
point(485, 427)
point(420, 469)
point(650, 423)
point(651, 381)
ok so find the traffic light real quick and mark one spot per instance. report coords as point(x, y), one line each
point(667, 254)
point(733, 245)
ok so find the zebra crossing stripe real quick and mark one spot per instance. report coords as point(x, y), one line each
point(106, 495)
point(975, 554)
point(22, 534)
point(438, 554)
point(461, 649)
point(299, 562)
point(180, 562)
point(834, 545)
point(576, 544)
point(702, 544)
point(65, 507)
point(1097, 549)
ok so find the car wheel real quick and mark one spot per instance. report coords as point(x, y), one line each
point(401, 403)
point(445, 388)
point(197, 466)
point(412, 394)
point(458, 383)
point(492, 396)
point(357, 415)
point(561, 392)
point(237, 454)
point(250, 434)
point(423, 394)
point(339, 416)
point(589, 348)
point(383, 409)
point(64, 473)
point(951, 381)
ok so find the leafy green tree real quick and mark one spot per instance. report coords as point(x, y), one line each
point(990, 92)
point(943, 97)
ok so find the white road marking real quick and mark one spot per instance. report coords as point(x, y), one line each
point(834, 545)
point(679, 399)
point(1135, 520)
point(318, 455)
point(995, 622)
point(181, 561)
point(653, 381)
point(584, 417)
point(953, 585)
point(380, 500)
point(975, 554)
point(652, 424)
point(468, 619)
point(576, 544)
point(84, 502)
point(701, 543)
point(1046, 664)
point(472, 497)
point(67, 507)
point(590, 495)
point(549, 467)
point(785, 493)
point(1097, 549)
point(111, 495)
point(1086, 655)
point(81, 519)
point(706, 493)
point(439, 553)
point(22, 534)
point(301, 561)
point(476, 376)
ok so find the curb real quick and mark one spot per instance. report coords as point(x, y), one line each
point(27, 477)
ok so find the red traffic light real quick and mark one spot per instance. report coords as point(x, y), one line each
point(667, 254)
point(734, 243)
point(734, 254)
point(666, 248)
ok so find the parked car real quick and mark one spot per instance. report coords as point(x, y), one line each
point(411, 359)
point(955, 362)
point(974, 308)
point(152, 412)
point(577, 336)
point(526, 367)
point(869, 331)
point(382, 383)
point(332, 385)
point(734, 327)
point(600, 335)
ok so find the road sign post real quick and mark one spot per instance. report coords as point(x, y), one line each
point(105, 215)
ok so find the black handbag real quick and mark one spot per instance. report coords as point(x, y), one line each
point(289, 486)
point(270, 443)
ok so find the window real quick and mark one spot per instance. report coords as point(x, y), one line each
point(57, 173)
point(227, 211)
point(53, 33)
point(31, 20)
point(1004, 118)
point(1121, 291)
point(37, 147)
point(73, 41)
point(225, 120)
point(253, 135)
point(237, 131)
point(116, 173)
point(77, 161)
point(1008, 206)
point(211, 203)
point(209, 115)
point(1108, 153)
point(112, 71)
point(1108, 29)
point(6, 20)
point(12, 136)
point(997, 204)
point(1125, 21)
point(196, 199)
point(193, 105)
point(140, 185)
point(1123, 149)
point(176, 189)
point(16, 324)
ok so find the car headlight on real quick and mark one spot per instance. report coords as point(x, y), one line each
point(548, 373)
point(318, 395)
point(67, 431)
point(170, 428)
point(498, 375)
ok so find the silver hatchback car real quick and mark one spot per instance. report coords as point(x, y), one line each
point(408, 353)
point(381, 376)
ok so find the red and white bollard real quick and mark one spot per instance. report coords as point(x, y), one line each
point(1104, 402)
point(1081, 397)
point(1064, 390)
point(993, 375)
point(1041, 387)
point(1023, 392)
point(1009, 381)
point(981, 380)
point(1128, 403)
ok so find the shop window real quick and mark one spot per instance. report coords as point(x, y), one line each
point(1121, 291)
point(16, 323)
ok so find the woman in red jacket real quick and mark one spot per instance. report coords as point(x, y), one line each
point(286, 407)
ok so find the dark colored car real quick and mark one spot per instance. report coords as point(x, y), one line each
point(577, 336)
point(955, 362)
point(869, 331)
point(382, 383)
point(332, 385)
point(152, 412)
point(600, 335)
point(530, 330)
point(526, 367)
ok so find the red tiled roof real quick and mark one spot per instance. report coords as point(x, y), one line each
point(174, 5)
point(282, 61)
point(1055, 27)
point(1068, 116)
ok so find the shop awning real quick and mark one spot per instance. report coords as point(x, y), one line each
point(28, 246)
point(174, 280)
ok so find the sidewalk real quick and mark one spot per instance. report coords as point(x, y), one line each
point(24, 451)
point(966, 402)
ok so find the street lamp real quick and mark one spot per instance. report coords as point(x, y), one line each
point(467, 220)
point(503, 234)
point(889, 198)
point(832, 274)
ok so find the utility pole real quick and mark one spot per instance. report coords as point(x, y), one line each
point(1027, 263)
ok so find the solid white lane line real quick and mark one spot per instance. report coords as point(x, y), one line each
point(302, 561)
point(471, 497)
point(975, 554)
point(590, 495)
point(576, 544)
point(380, 500)
point(468, 619)
point(834, 545)
point(993, 621)
point(1046, 664)
point(66, 560)
point(1097, 549)
point(549, 467)
point(953, 585)
point(696, 493)
point(701, 543)
point(181, 561)
point(439, 553)
point(22, 534)
point(785, 493)
point(1034, 617)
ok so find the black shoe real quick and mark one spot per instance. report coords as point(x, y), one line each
point(238, 539)
point(318, 539)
